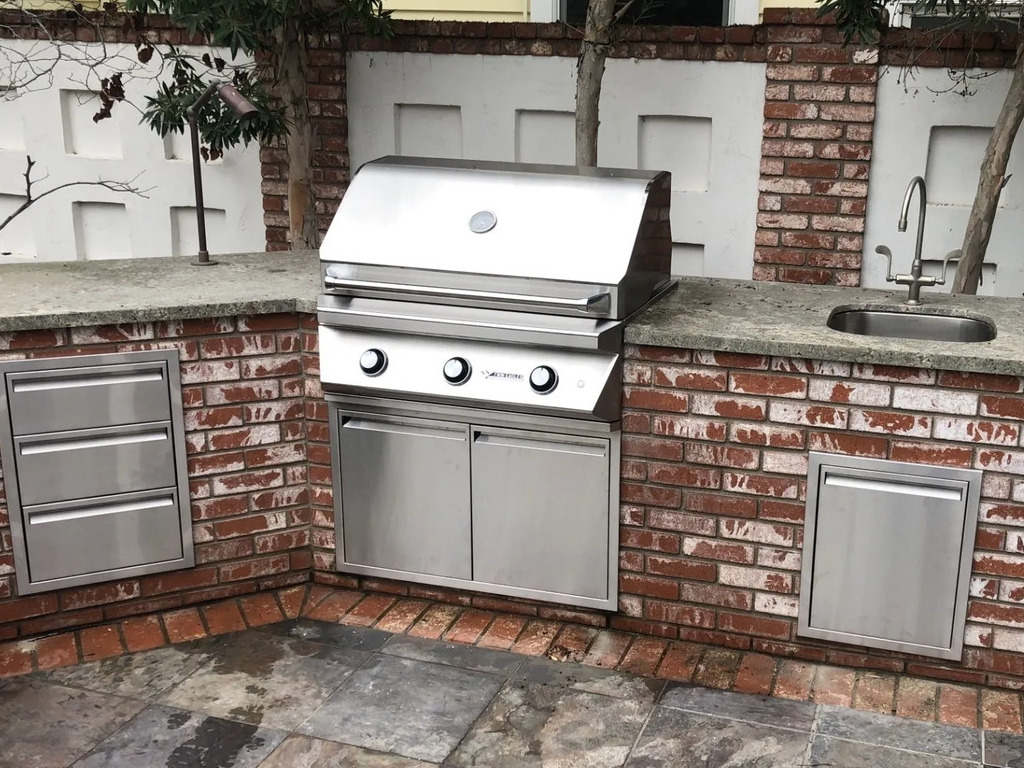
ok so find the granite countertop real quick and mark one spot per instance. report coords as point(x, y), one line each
point(77, 293)
point(701, 313)
point(790, 320)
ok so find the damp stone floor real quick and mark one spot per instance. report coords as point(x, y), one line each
point(304, 693)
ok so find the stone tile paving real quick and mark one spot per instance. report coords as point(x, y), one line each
point(310, 694)
point(359, 623)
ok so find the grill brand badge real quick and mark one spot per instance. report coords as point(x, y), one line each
point(502, 375)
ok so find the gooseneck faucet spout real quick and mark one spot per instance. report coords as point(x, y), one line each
point(915, 266)
point(915, 279)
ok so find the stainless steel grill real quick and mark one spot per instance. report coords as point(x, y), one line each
point(470, 350)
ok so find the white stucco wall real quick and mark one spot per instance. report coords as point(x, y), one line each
point(52, 122)
point(700, 120)
point(925, 129)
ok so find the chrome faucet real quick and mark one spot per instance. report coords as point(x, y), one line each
point(915, 279)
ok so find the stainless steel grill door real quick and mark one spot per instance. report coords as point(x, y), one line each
point(405, 494)
point(540, 511)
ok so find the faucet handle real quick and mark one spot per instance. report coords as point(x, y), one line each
point(951, 256)
point(884, 250)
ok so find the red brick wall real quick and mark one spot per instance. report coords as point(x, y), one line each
point(714, 465)
point(714, 480)
point(245, 427)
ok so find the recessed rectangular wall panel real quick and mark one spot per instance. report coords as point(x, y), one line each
point(185, 231)
point(16, 239)
point(82, 134)
point(688, 259)
point(545, 136)
point(12, 127)
point(678, 144)
point(954, 157)
point(101, 231)
point(428, 130)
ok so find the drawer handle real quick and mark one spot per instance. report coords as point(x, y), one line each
point(908, 489)
point(41, 518)
point(96, 380)
point(55, 446)
point(399, 428)
point(554, 446)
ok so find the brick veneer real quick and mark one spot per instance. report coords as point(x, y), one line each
point(244, 399)
point(714, 468)
point(714, 464)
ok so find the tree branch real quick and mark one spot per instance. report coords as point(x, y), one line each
point(114, 186)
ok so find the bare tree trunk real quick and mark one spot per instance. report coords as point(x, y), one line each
point(301, 200)
point(589, 73)
point(990, 184)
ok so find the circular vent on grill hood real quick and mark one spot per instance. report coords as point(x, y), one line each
point(482, 221)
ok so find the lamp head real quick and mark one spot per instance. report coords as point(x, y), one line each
point(241, 106)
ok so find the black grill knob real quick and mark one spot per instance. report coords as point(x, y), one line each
point(373, 362)
point(543, 379)
point(457, 371)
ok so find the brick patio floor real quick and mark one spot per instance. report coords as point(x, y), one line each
point(707, 666)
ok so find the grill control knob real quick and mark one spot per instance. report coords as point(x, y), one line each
point(457, 371)
point(543, 379)
point(373, 362)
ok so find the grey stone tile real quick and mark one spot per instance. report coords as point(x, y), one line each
point(464, 656)
point(162, 736)
point(1004, 750)
point(408, 707)
point(535, 725)
point(144, 675)
point(264, 679)
point(306, 752)
point(899, 732)
point(798, 715)
point(590, 679)
point(677, 739)
point(356, 638)
point(43, 724)
point(827, 751)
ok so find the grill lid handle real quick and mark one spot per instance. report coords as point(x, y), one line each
point(599, 303)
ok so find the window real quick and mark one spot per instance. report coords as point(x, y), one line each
point(693, 13)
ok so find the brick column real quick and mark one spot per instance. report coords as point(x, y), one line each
point(819, 115)
point(326, 92)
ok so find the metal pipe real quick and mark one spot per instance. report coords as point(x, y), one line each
point(243, 110)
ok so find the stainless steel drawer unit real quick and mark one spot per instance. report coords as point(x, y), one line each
point(887, 554)
point(93, 451)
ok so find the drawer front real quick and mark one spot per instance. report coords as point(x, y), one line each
point(96, 535)
point(86, 397)
point(96, 462)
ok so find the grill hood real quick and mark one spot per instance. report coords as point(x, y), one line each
point(563, 239)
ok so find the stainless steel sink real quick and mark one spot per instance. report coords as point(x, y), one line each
point(911, 325)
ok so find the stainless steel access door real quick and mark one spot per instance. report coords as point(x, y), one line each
point(404, 486)
point(887, 554)
point(540, 512)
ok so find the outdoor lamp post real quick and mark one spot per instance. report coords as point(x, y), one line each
point(243, 110)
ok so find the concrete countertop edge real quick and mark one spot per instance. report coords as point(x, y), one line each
point(717, 315)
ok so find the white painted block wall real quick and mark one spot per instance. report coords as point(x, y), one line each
point(700, 120)
point(923, 128)
point(52, 122)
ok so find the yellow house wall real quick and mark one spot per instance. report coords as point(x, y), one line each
point(460, 10)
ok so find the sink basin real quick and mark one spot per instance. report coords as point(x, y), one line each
point(911, 325)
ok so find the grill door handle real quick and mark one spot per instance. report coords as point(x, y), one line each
point(598, 303)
